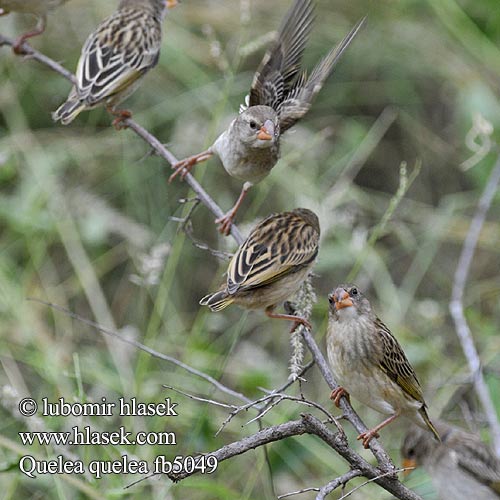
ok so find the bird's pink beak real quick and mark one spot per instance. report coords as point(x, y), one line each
point(171, 3)
point(342, 299)
point(266, 132)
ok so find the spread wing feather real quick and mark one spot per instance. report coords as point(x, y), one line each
point(301, 95)
point(281, 64)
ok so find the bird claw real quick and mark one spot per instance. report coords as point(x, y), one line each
point(226, 221)
point(18, 48)
point(337, 394)
point(367, 437)
point(183, 168)
point(301, 321)
point(121, 116)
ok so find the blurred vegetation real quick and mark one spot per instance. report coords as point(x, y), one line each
point(85, 222)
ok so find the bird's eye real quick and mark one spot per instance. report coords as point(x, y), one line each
point(411, 452)
point(253, 124)
point(354, 291)
point(330, 299)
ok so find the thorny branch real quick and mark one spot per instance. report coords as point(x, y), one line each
point(382, 475)
point(308, 424)
point(457, 306)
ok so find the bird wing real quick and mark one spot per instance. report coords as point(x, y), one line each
point(395, 364)
point(476, 458)
point(281, 64)
point(301, 95)
point(121, 50)
point(279, 245)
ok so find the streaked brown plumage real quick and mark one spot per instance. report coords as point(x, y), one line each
point(39, 8)
point(281, 94)
point(115, 58)
point(461, 467)
point(368, 362)
point(271, 264)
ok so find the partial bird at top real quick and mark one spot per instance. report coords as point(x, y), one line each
point(281, 94)
point(115, 58)
point(39, 8)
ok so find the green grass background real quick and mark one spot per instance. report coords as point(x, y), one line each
point(85, 222)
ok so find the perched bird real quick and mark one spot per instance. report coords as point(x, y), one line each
point(461, 467)
point(368, 362)
point(271, 264)
point(39, 8)
point(115, 57)
point(281, 94)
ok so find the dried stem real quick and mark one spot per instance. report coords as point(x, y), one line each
point(457, 307)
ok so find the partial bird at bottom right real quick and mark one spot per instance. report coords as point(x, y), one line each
point(461, 466)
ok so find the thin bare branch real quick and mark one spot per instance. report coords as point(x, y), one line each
point(31, 53)
point(349, 493)
point(186, 226)
point(199, 398)
point(303, 401)
point(142, 347)
point(457, 307)
point(339, 481)
point(328, 488)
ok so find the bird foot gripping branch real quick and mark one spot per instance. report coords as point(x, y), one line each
point(122, 115)
point(184, 167)
point(337, 394)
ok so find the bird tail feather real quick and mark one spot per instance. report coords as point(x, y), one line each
point(217, 301)
point(69, 110)
point(430, 426)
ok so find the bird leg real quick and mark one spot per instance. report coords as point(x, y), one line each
point(183, 167)
point(373, 433)
point(337, 394)
point(226, 220)
point(297, 320)
point(40, 28)
point(121, 116)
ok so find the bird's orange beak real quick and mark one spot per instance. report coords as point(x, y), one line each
point(266, 132)
point(342, 299)
point(171, 3)
point(408, 464)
